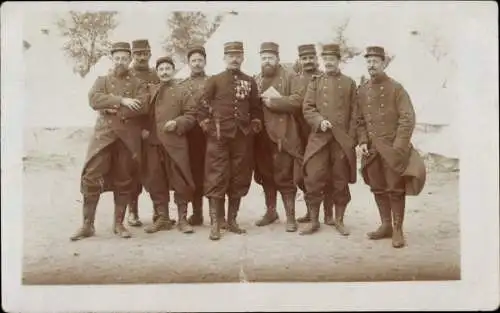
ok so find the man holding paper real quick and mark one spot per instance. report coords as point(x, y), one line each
point(278, 148)
point(330, 109)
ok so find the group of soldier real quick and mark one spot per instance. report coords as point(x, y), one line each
point(209, 136)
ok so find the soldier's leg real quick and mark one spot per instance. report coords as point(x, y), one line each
point(328, 203)
point(397, 199)
point(340, 184)
point(263, 162)
point(316, 177)
point(133, 206)
point(283, 176)
point(378, 187)
point(123, 173)
point(156, 182)
point(197, 152)
point(91, 188)
point(216, 180)
point(241, 177)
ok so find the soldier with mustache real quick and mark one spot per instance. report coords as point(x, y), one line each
point(390, 165)
point(141, 53)
point(114, 152)
point(229, 113)
point(330, 109)
point(278, 148)
point(308, 60)
point(174, 117)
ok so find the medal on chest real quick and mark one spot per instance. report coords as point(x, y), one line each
point(242, 89)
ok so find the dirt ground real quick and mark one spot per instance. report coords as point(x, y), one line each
point(52, 212)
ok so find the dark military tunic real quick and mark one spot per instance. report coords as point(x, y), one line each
point(193, 90)
point(229, 103)
point(278, 149)
point(330, 155)
point(170, 105)
point(386, 123)
point(114, 151)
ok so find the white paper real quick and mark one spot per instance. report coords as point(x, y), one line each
point(271, 92)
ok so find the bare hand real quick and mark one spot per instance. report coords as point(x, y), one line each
point(325, 125)
point(169, 126)
point(145, 134)
point(204, 125)
point(266, 101)
point(364, 149)
point(111, 111)
point(132, 104)
point(256, 125)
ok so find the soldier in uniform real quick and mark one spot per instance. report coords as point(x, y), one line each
point(308, 60)
point(174, 118)
point(330, 109)
point(141, 53)
point(193, 88)
point(229, 112)
point(278, 149)
point(114, 152)
point(390, 165)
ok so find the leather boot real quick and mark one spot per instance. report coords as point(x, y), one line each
point(339, 219)
point(221, 214)
point(196, 219)
point(384, 209)
point(133, 212)
point(214, 205)
point(232, 214)
point(271, 216)
point(398, 211)
point(87, 229)
point(161, 222)
point(328, 209)
point(183, 224)
point(118, 227)
point(289, 204)
point(307, 217)
point(314, 225)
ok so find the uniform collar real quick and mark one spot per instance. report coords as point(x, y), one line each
point(197, 75)
point(379, 78)
point(334, 74)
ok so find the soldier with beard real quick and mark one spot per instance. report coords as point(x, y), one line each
point(169, 166)
point(141, 53)
point(330, 109)
point(278, 148)
point(114, 151)
point(229, 112)
point(390, 165)
point(308, 60)
point(193, 89)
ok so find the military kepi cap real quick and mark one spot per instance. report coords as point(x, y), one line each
point(375, 51)
point(233, 47)
point(269, 47)
point(331, 49)
point(196, 49)
point(165, 59)
point(140, 45)
point(307, 49)
point(120, 46)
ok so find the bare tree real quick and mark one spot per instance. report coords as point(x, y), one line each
point(188, 29)
point(347, 51)
point(87, 36)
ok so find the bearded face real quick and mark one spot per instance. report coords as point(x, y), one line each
point(269, 63)
point(121, 61)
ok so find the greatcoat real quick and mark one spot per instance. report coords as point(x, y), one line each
point(386, 124)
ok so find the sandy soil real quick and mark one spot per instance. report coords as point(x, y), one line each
point(52, 212)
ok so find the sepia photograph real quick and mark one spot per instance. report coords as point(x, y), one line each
point(194, 144)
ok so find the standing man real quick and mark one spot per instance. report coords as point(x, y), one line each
point(308, 60)
point(174, 118)
point(278, 148)
point(193, 89)
point(141, 53)
point(230, 111)
point(114, 152)
point(390, 165)
point(330, 156)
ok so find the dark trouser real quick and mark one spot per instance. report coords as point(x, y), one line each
point(384, 180)
point(114, 161)
point(228, 166)
point(328, 166)
point(197, 150)
point(283, 170)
